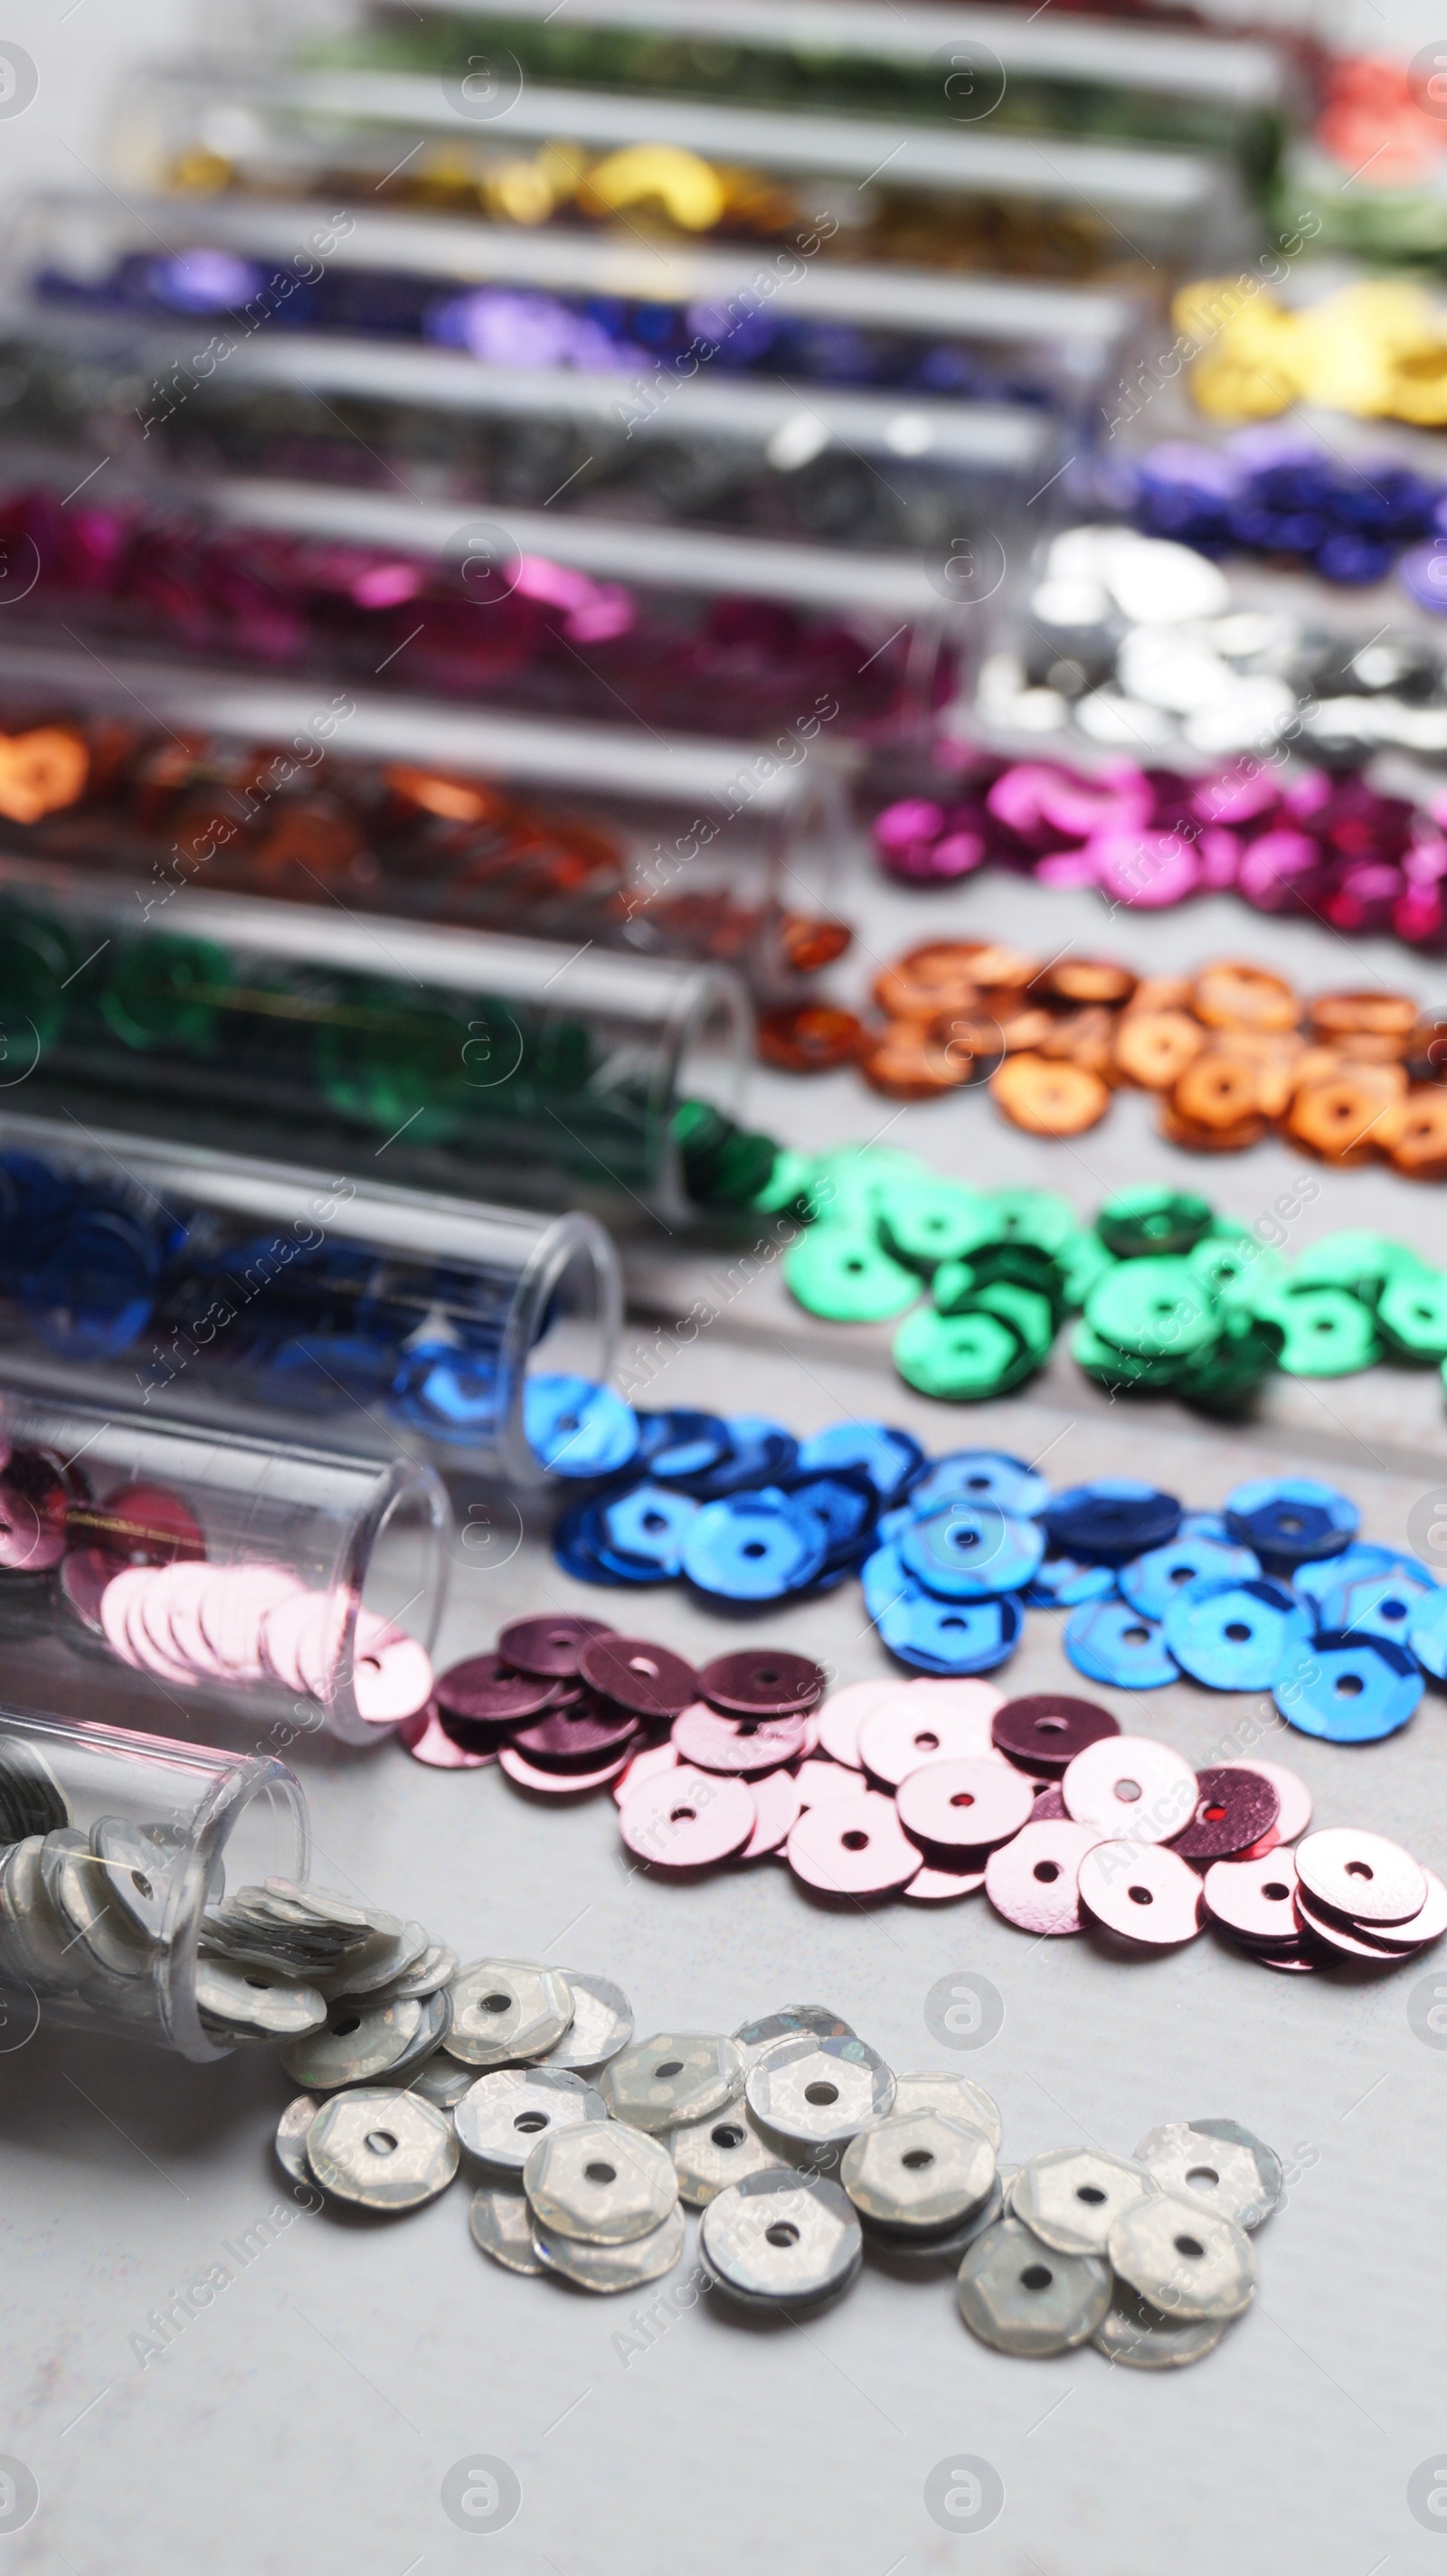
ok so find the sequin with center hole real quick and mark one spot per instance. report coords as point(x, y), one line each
point(603, 2183)
point(1267, 2161)
point(1021, 2296)
point(775, 2240)
point(672, 2079)
point(1233, 1810)
point(916, 2170)
point(736, 1745)
point(1224, 2177)
point(548, 1647)
point(1070, 2196)
point(760, 1681)
point(1034, 1880)
point(356, 2044)
point(1109, 1642)
point(813, 2094)
point(1183, 2260)
point(1252, 1898)
point(1142, 1892)
point(687, 1819)
point(1132, 1786)
point(952, 1807)
point(502, 2116)
point(907, 1731)
point(1292, 1794)
point(505, 2011)
point(383, 2150)
point(1361, 1875)
point(647, 1680)
point(1044, 1730)
point(709, 2155)
point(852, 1847)
point(1237, 1636)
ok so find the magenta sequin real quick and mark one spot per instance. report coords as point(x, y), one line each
point(541, 636)
point(1317, 844)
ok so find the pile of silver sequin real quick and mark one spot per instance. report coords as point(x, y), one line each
point(1139, 645)
point(796, 2142)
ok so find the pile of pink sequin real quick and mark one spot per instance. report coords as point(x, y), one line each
point(1313, 843)
point(930, 1790)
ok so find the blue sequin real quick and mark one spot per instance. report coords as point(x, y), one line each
point(890, 1458)
point(1110, 1521)
point(1110, 1642)
point(1236, 1636)
point(982, 1476)
point(1374, 1605)
point(577, 1428)
point(965, 1552)
point(1352, 1690)
point(1151, 1583)
point(643, 1531)
point(950, 1636)
point(1062, 1582)
point(754, 1547)
point(1290, 1519)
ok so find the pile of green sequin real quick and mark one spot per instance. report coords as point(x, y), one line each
point(1169, 1295)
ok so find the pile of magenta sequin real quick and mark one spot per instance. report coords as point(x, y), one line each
point(1309, 842)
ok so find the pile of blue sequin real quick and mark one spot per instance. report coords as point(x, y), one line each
point(1273, 1593)
point(1271, 492)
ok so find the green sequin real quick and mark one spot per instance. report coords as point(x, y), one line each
point(1154, 1307)
point(840, 1272)
point(961, 1357)
point(1328, 1332)
point(1152, 1219)
point(1412, 1315)
point(168, 992)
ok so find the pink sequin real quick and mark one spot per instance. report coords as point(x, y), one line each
point(1229, 799)
point(1220, 855)
point(908, 824)
point(957, 854)
point(1274, 868)
point(1069, 868)
point(1147, 870)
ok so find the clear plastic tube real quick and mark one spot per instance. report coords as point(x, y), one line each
point(151, 1565)
point(115, 1844)
point(736, 318)
point(670, 846)
point(264, 1297)
point(467, 1059)
point(1197, 87)
point(331, 129)
point(673, 630)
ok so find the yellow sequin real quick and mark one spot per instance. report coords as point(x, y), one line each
point(1377, 349)
point(686, 186)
